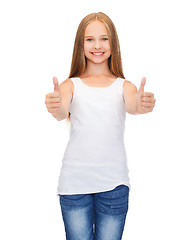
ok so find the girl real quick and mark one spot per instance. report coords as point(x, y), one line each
point(94, 184)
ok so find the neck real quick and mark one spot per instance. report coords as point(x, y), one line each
point(97, 69)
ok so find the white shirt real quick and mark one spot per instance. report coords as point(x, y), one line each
point(95, 158)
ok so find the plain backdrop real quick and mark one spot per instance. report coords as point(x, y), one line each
point(157, 41)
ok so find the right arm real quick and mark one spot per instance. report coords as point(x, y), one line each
point(58, 102)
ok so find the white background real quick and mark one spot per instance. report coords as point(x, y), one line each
point(157, 41)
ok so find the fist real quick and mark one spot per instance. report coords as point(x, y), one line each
point(53, 100)
point(145, 100)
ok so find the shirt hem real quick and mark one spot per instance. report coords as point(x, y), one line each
point(96, 191)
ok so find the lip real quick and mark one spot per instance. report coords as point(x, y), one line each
point(97, 52)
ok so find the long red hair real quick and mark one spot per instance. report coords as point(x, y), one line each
point(79, 62)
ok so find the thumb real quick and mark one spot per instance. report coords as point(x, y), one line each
point(143, 82)
point(56, 84)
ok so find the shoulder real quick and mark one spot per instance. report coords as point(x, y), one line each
point(129, 87)
point(129, 91)
point(67, 85)
point(68, 82)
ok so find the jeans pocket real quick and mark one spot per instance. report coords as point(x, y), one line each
point(114, 202)
point(69, 202)
point(117, 192)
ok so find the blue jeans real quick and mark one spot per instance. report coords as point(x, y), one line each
point(99, 216)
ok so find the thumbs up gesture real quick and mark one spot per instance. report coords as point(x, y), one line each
point(145, 100)
point(53, 99)
point(56, 85)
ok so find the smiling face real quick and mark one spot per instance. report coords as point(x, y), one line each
point(96, 42)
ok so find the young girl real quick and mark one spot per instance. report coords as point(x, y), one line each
point(94, 184)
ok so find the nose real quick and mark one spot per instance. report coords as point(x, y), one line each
point(97, 44)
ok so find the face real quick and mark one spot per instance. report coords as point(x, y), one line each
point(96, 42)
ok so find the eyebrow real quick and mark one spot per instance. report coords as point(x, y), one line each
point(92, 36)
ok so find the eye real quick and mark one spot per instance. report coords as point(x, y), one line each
point(104, 39)
point(89, 39)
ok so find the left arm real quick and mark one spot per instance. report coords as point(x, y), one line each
point(130, 95)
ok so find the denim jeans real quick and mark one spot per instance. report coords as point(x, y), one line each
point(95, 216)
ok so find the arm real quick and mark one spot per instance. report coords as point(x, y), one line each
point(130, 96)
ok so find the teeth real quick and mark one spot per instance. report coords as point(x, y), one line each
point(97, 53)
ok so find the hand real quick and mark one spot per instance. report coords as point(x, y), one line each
point(53, 100)
point(145, 100)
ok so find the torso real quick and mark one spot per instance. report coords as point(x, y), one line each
point(96, 82)
point(100, 82)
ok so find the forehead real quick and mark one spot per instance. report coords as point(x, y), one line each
point(96, 28)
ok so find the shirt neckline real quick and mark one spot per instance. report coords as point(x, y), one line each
point(98, 87)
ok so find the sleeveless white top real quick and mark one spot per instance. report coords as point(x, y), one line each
point(95, 158)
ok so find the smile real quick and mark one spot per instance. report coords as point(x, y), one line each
point(98, 53)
